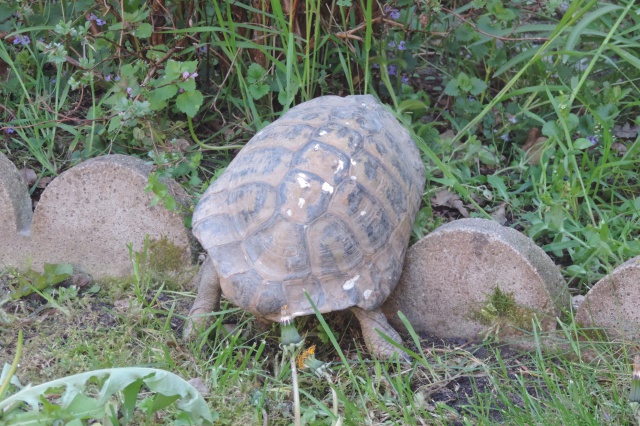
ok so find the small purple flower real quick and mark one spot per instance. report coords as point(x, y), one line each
point(391, 44)
point(129, 91)
point(99, 21)
point(202, 49)
point(9, 130)
point(181, 90)
point(116, 78)
point(108, 77)
point(404, 79)
point(23, 40)
point(401, 45)
point(186, 75)
point(394, 14)
point(505, 137)
point(513, 120)
point(376, 66)
point(392, 70)
point(593, 139)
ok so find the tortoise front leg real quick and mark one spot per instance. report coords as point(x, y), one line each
point(207, 299)
point(379, 347)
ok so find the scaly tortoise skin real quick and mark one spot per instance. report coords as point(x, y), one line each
point(323, 201)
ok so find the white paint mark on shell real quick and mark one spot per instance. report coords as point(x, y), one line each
point(349, 284)
point(353, 178)
point(327, 188)
point(363, 212)
point(353, 162)
point(289, 213)
point(339, 167)
point(367, 294)
point(302, 181)
point(301, 202)
point(322, 132)
point(316, 147)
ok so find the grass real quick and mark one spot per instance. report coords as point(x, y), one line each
point(247, 381)
point(481, 86)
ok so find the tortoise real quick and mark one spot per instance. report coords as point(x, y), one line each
point(320, 201)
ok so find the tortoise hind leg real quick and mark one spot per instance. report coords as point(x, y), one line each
point(207, 299)
point(370, 321)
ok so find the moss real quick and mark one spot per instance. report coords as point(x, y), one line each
point(164, 256)
point(500, 309)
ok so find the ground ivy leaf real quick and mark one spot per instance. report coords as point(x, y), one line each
point(190, 102)
point(164, 93)
point(254, 73)
point(478, 86)
point(187, 85)
point(258, 90)
point(551, 128)
point(451, 88)
point(144, 30)
point(582, 143)
point(172, 70)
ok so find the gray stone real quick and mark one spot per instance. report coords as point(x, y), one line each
point(15, 204)
point(87, 216)
point(612, 303)
point(448, 286)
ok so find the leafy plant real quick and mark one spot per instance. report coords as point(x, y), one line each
point(30, 280)
point(101, 394)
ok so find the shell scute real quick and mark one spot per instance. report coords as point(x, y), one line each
point(278, 251)
point(260, 165)
point(215, 230)
point(276, 134)
point(270, 299)
point(335, 251)
point(382, 183)
point(303, 196)
point(323, 160)
point(365, 215)
point(229, 259)
point(242, 288)
point(294, 290)
point(249, 206)
point(340, 136)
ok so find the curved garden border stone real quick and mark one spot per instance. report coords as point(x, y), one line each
point(612, 303)
point(15, 204)
point(473, 277)
point(87, 216)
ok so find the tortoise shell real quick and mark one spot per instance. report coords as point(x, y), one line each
point(322, 200)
